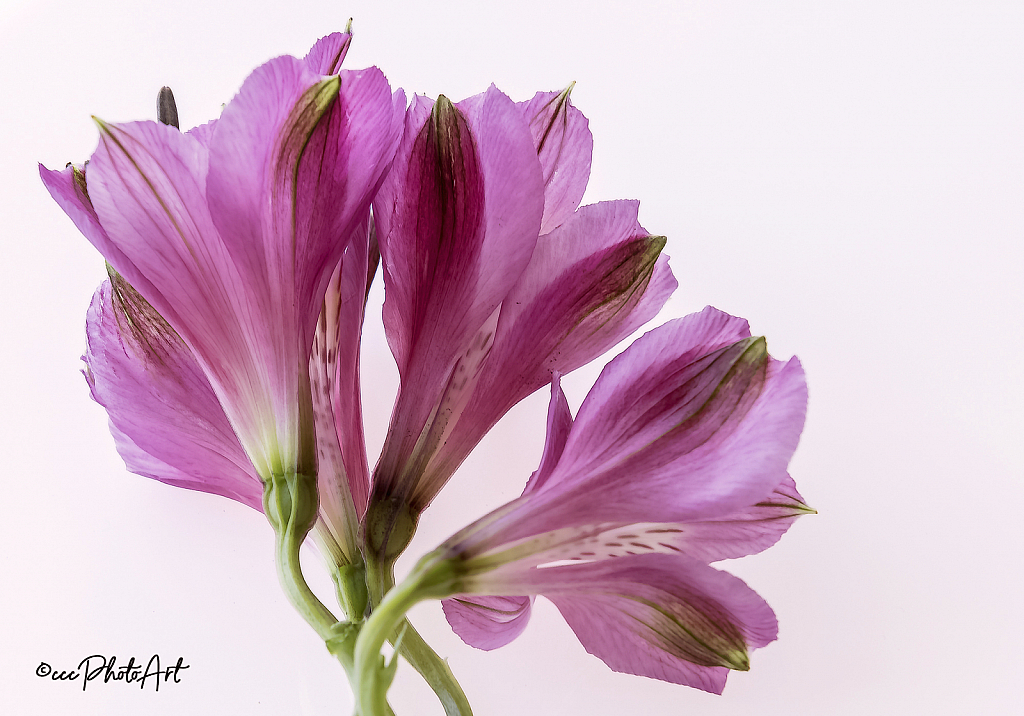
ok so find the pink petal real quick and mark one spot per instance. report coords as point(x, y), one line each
point(334, 369)
point(147, 182)
point(737, 534)
point(203, 133)
point(326, 56)
point(220, 272)
point(698, 412)
point(284, 137)
point(68, 188)
point(559, 425)
point(164, 415)
point(590, 283)
point(691, 423)
point(564, 145)
point(667, 617)
point(457, 220)
point(487, 622)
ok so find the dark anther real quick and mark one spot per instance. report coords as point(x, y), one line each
point(166, 110)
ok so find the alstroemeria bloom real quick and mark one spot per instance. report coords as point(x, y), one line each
point(231, 231)
point(168, 424)
point(494, 279)
point(677, 457)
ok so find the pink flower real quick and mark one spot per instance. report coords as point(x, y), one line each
point(494, 280)
point(168, 424)
point(231, 232)
point(677, 458)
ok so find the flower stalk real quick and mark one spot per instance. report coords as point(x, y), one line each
point(431, 578)
point(289, 502)
point(412, 647)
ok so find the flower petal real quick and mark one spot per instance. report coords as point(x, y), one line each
point(666, 617)
point(701, 414)
point(326, 56)
point(559, 424)
point(590, 283)
point(69, 189)
point(457, 220)
point(147, 182)
point(565, 146)
point(688, 424)
point(334, 372)
point(740, 533)
point(294, 162)
point(487, 622)
point(164, 415)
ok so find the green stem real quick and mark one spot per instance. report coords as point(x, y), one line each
point(289, 502)
point(380, 580)
point(290, 505)
point(372, 676)
point(435, 672)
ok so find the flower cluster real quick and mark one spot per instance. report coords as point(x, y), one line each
point(225, 349)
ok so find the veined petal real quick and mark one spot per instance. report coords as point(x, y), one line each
point(667, 617)
point(343, 474)
point(710, 425)
point(565, 147)
point(203, 133)
point(294, 163)
point(457, 220)
point(589, 284)
point(738, 534)
point(326, 56)
point(693, 422)
point(487, 622)
point(147, 182)
point(164, 415)
point(69, 189)
point(559, 424)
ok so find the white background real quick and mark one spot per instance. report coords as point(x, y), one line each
point(848, 176)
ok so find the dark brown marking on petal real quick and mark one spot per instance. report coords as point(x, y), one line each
point(150, 334)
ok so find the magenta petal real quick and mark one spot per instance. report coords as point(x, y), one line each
point(487, 622)
point(737, 534)
point(294, 163)
point(668, 617)
point(164, 415)
point(589, 284)
point(564, 146)
point(203, 133)
point(457, 221)
point(334, 369)
point(147, 182)
point(558, 426)
point(326, 56)
point(68, 189)
point(698, 412)
point(212, 238)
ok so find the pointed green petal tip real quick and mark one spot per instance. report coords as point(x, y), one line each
point(737, 659)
